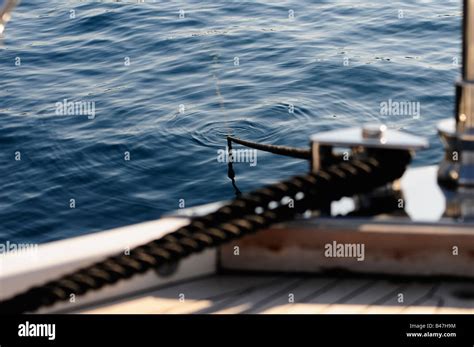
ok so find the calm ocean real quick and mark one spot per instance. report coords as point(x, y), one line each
point(112, 112)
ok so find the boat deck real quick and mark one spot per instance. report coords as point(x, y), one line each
point(410, 265)
point(290, 294)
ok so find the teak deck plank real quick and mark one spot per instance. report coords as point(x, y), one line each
point(198, 294)
point(304, 288)
point(412, 293)
point(253, 298)
point(371, 294)
point(328, 295)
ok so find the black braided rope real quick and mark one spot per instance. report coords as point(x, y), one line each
point(295, 152)
point(243, 216)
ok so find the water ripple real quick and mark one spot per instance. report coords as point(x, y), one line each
point(169, 89)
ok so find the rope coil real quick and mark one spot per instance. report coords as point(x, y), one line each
point(244, 215)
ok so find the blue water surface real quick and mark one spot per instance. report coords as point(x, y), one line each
point(169, 81)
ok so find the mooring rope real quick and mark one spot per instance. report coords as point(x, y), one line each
point(244, 215)
point(230, 168)
point(300, 153)
point(294, 152)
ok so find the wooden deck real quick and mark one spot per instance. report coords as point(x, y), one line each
point(253, 294)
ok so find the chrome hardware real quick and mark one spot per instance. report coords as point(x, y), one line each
point(370, 136)
point(360, 142)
